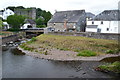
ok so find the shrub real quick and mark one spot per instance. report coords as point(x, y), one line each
point(112, 51)
point(13, 29)
point(33, 39)
point(86, 53)
point(40, 26)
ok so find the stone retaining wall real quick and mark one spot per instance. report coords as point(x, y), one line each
point(111, 36)
point(10, 38)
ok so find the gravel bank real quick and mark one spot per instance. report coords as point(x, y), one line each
point(66, 56)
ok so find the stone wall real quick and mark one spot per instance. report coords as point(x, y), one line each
point(110, 36)
point(60, 26)
point(10, 38)
point(31, 12)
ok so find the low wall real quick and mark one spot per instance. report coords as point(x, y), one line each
point(111, 36)
point(10, 38)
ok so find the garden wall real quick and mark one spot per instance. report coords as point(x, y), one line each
point(111, 36)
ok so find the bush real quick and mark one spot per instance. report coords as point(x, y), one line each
point(33, 39)
point(13, 29)
point(112, 51)
point(40, 26)
point(86, 53)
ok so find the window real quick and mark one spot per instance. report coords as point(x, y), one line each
point(107, 29)
point(101, 22)
point(99, 30)
point(92, 22)
point(6, 13)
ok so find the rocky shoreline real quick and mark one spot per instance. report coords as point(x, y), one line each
point(62, 56)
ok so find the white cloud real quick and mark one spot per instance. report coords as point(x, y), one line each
point(95, 6)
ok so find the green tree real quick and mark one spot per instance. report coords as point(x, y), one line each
point(13, 7)
point(1, 23)
point(38, 12)
point(15, 21)
point(40, 21)
point(46, 15)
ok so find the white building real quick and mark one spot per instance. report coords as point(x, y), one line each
point(105, 22)
point(1, 14)
point(29, 24)
point(7, 13)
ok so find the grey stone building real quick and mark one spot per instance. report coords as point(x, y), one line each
point(74, 20)
point(29, 12)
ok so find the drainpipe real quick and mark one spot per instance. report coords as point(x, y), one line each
point(109, 26)
point(65, 24)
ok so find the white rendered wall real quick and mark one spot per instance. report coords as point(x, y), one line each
point(111, 25)
point(7, 13)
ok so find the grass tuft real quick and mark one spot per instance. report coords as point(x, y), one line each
point(114, 67)
point(86, 53)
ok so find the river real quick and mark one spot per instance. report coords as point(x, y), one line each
point(23, 66)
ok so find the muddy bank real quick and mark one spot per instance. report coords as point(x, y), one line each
point(61, 56)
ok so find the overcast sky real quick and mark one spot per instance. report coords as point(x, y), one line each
point(94, 6)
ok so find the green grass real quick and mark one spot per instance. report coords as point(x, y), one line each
point(82, 45)
point(2, 34)
point(86, 53)
point(114, 67)
point(25, 47)
point(113, 51)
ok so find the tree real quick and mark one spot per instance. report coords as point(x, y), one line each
point(38, 12)
point(40, 21)
point(15, 21)
point(13, 7)
point(1, 23)
point(46, 15)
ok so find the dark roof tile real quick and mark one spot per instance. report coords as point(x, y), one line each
point(108, 15)
point(71, 16)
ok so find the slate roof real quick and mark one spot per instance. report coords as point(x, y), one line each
point(71, 16)
point(30, 21)
point(108, 15)
point(90, 15)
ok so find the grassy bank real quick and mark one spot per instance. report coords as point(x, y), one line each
point(83, 45)
point(112, 67)
point(5, 33)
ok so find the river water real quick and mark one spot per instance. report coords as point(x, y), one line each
point(23, 66)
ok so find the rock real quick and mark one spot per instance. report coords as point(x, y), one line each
point(84, 73)
point(15, 51)
point(11, 42)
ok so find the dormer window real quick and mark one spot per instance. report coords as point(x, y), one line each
point(101, 22)
point(92, 22)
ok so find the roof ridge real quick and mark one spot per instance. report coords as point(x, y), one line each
point(71, 10)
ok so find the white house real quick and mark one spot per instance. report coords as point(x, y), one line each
point(7, 13)
point(105, 22)
point(29, 24)
point(1, 14)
